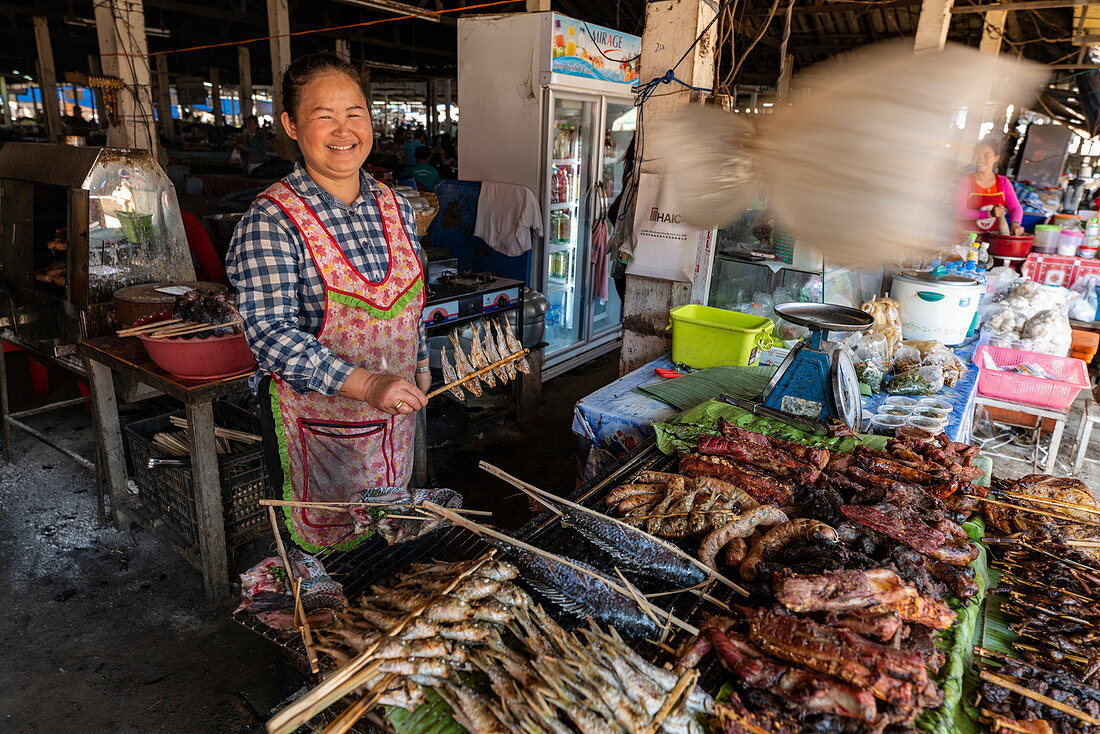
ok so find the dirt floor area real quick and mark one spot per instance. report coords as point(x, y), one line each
point(110, 632)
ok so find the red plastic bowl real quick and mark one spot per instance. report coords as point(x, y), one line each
point(205, 358)
point(1003, 245)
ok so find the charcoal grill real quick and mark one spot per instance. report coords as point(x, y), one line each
point(373, 562)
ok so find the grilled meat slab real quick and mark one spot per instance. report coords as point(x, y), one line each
point(762, 488)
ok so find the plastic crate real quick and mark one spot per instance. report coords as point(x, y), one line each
point(1070, 376)
point(168, 492)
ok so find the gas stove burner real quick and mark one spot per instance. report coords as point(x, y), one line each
point(451, 277)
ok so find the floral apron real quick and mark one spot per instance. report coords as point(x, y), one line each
point(333, 447)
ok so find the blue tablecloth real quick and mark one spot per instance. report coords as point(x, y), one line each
point(617, 420)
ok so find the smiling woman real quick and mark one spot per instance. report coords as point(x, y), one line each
point(329, 284)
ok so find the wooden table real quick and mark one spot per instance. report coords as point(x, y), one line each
point(107, 354)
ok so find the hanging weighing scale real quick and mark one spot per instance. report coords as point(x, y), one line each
point(818, 378)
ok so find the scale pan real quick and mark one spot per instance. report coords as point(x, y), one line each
point(827, 316)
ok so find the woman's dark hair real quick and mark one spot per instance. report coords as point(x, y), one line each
point(992, 142)
point(305, 68)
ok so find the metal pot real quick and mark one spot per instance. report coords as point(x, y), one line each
point(535, 307)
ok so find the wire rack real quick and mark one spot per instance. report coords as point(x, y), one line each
point(374, 562)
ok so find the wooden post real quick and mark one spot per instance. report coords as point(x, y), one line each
point(669, 30)
point(244, 65)
point(538, 6)
point(120, 25)
point(932, 26)
point(5, 111)
point(164, 99)
point(209, 509)
point(216, 96)
point(343, 49)
point(94, 67)
point(278, 24)
point(448, 99)
point(47, 78)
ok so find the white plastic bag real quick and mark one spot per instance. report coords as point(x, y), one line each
point(1084, 308)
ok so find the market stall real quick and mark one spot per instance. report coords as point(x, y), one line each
point(791, 630)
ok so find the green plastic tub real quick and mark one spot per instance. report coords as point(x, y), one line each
point(703, 336)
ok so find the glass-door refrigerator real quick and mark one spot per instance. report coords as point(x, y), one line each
point(571, 157)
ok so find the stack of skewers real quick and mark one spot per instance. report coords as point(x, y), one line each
point(1048, 555)
point(226, 440)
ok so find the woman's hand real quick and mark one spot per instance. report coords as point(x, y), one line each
point(387, 393)
point(998, 211)
point(1018, 229)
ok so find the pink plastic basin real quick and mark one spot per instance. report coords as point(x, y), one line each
point(205, 358)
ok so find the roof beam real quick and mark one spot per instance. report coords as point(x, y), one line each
point(395, 8)
point(839, 7)
point(1021, 5)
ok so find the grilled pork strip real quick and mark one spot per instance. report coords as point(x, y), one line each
point(906, 526)
point(763, 457)
point(817, 457)
point(808, 691)
point(892, 675)
point(880, 626)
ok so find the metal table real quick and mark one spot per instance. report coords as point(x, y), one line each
point(109, 354)
point(1058, 416)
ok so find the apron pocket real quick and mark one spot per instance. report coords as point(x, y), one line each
point(342, 458)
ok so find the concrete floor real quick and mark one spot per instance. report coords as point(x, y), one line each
point(110, 632)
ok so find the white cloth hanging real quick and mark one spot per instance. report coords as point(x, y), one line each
point(506, 214)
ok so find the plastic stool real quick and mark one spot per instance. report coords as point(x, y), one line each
point(40, 373)
point(1084, 433)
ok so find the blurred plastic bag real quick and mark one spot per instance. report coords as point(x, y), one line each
point(1084, 308)
point(906, 358)
point(1003, 320)
point(1049, 332)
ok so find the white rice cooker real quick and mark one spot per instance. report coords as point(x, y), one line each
point(936, 306)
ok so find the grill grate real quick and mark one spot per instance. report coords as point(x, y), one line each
point(374, 562)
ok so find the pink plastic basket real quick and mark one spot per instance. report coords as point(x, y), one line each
point(1071, 376)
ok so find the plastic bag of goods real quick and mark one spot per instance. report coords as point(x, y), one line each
point(906, 358)
point(953, 367)
point(266, 592)
point(925, 380)
point(1029, 298)
point(1003, 321)
point(1083, 308)
point(870, 368)
point(1049, 332)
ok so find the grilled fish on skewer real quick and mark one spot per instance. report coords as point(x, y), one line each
point(463, 367)
point(478, 358)
point(499, 350)
point(449, 374)
point(513, 345)
point(493, 349)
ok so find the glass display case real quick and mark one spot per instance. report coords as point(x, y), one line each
point(76, 225)
point(757, 264)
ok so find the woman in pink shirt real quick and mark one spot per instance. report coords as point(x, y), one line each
point(983, 196)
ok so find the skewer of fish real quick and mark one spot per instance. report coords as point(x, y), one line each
point(597, 595)
point(631, 546)
point(469, 381)
point(190, 329)
point(1095, 510)
point(154, 326)
point(355, 672)
point(495, 353)
point(295, 583)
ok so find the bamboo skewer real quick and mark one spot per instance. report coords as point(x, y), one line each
point(191, 329)
point(483, 530)
point(228, 433)
point(1021, 541)
point(1011, 685)
point(524, 486)
point(683, 685)
point(1095, 510)
point(347, 678)
point(337, 505)
point(343, 723)
point(155, 326)
point(295, 584)
point(463, 380)
point(1021, 508)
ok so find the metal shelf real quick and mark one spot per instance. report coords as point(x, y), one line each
point(563, 205)
point(773, 265)
point(565, 161)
